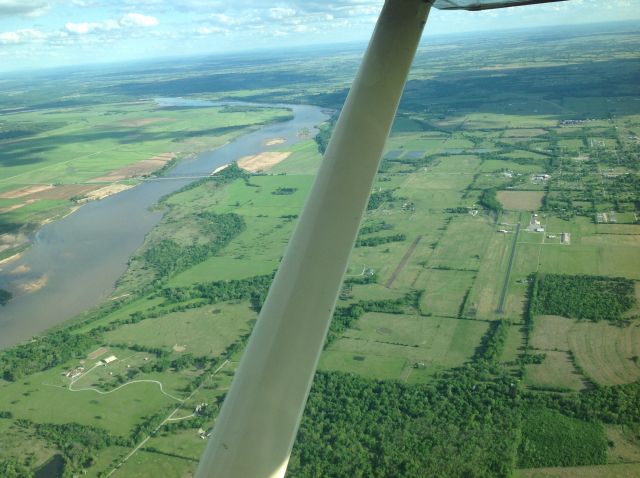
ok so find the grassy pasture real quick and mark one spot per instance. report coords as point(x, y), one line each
point(43, 399)
point(610, 260)
point(444, 291)
point(555, 372)
point(494, 165)
point(190, 329)
point(485, 294)
point(626, 443)
point(397, 342)
point(456, 251)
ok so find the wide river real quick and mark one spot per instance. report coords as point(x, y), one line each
point(74, 262)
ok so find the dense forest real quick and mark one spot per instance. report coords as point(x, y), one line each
point(354, 427)
point(42, 354)
point(582, 296)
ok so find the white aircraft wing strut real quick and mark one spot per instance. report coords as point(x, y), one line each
point(254, 433)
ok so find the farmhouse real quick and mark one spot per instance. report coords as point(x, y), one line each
point(109, 359)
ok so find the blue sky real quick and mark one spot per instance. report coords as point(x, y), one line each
point(44, 33)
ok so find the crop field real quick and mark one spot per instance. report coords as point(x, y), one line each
point(604, 351)
point(521, 200)
point(608, 354)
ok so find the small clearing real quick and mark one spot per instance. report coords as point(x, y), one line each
point(263, 161)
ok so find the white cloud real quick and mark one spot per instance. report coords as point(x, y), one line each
point(211, 30)
point(9, 37)
point(21, 36)
point(280, 13)
point(138, 20)
point(83, 28)
point(130, 20)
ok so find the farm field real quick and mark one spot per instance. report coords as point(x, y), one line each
point(484, 187)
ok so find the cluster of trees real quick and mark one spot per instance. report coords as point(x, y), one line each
point(551, 439)
point(461, 426)
point(148, 425)
point(168, 257)
point(43, 354)
point(457, 210)
point(12, 468)
point(284, 191)
point(5, 296)
point(374, 226)
point(253, 288)
point(364, 279)
point(489, 200)
point(582, 296)
point(378, 197)
point(377, 240)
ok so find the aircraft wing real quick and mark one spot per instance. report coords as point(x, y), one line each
point(484, 4)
